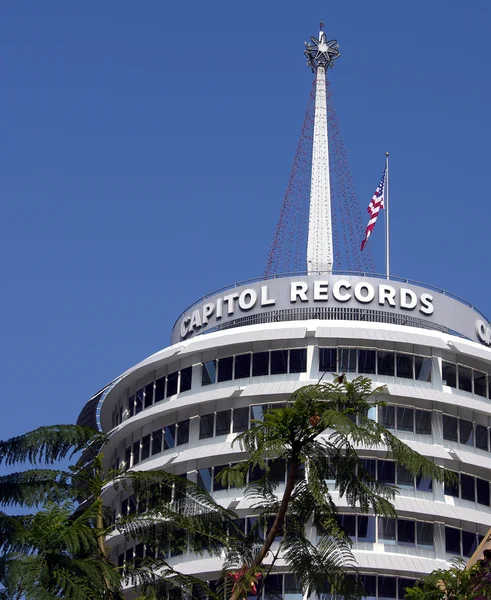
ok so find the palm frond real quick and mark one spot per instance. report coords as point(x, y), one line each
point(35, 487)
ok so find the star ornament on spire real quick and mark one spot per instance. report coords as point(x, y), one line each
point(321, 53)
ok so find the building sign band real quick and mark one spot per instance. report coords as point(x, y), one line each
point(334, 290)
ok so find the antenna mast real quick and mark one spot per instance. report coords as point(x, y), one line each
point(321, 55)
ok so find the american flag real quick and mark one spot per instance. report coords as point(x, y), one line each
point(376, 203)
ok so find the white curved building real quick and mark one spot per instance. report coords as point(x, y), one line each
point(180, 409)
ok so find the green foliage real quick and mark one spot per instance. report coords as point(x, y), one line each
point(456, 583)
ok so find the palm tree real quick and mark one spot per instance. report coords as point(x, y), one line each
point(317, 433)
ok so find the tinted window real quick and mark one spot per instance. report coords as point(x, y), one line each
point(241, 419)
point(386, 588)
point(465, 379)
point(204, 479)
point(482, 491)
point(139, 401)
point(172, 379)
point(277, 470)
point(208, 372)
point(449, 374)
point(183, 432)
point(469, 543)
point(169, 436)
point(366, 529)
point(206, 426)
point(405, 366)
point(466, 432)
point(366, 361)
point(127, 457)
point(131, 406)
point(467, 491)
point(347, 360)
point(449, 428)
point(387, 530)
point(136, 452)
point(242, 366)
point(279, 362)
point(387, 416)
point(386, 471)
point(157, 441)
point(422, 368)
point(145, 451)
point(223, 422)
point(404, 477)
point(481, 437)
point(423, 484)
point(480, 383)
point(327, 360)
point(424, 532)
point(405, 419)
point(149, 395)
point(406, 532)
point(385, 363)
point(348, 523)
point(298, 360)
point(186, 376)
point(452, 540)
point(160, 389)
point(225, 368)
point(260, 364)
point(423, 421)
point(258, 411)
point(452, 489)
point(217, 485)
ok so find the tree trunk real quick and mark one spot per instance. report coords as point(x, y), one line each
point(278, 522)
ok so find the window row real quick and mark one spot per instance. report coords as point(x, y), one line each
point(466, 379)
point(468, 487)
point(254, 364)
point(460, 542)
point(159, 440)
point(402, 532)
point(466, 432)
point(375, 362)
point(403, 418)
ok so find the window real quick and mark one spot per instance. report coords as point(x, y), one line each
point(206, 426)
point(452, 489)
point(423, 484)
point(386, 471)
point(424, 535)
point(387, 530)
point(405, 366)
point(148, 391)
point(204, 479)
point(242, 366)
point(366, 529)
point(347, 360)
point(482, 488)
point(257, 412)
point(404, 478)
point(279, 362)
point(406, 532)
point(223, 422)
point(480, 383)
point(449, 374)
point(160, 389)
point(131, 406)
point(172, 380)
point(452, 540)
point(186, 378)
point(127, 457)
point(277, 470)
point(423, 422)
point(225, 368)
point(260, 364)
point(145, 449)
point(467, 489)
point(209, 372)
point(366, 361)
point(136, 452)
point(388, 416)
point(387, 588)
point(450, 428)
point(465, 379)
point(217, 484)
point(422, 368)
point(369, 582)
point(157, 441)
point(348, 523)
point(298, 360)
point(482, 437)
point(169, 436)
point(466, 432)
point(139, 401)
point(405, 419)
point(182, 432)
point(385, 363)
point(469, 543)
point(241, 419)
point(327, 360)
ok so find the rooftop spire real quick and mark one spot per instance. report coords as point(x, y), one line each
point(321, 55)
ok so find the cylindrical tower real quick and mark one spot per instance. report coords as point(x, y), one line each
point(180, 409)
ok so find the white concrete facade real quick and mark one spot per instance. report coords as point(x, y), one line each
point(444, 419)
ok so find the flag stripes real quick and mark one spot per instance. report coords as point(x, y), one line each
point(376, 203)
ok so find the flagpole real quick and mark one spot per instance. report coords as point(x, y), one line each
point(387, 241)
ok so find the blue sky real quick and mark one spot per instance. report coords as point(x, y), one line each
point(145, 149)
